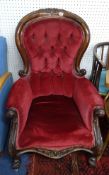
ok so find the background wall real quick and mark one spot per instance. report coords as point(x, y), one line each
point(94, 12)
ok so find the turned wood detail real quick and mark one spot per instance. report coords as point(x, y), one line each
point(98, 113)
point(75, 168)
point(11, 113)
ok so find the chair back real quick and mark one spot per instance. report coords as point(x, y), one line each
point(52, 40)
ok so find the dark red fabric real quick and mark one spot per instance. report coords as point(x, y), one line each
point(52, 44)
point(43, 84)
point(86, 98)
point(20, 98)
point(54, 122)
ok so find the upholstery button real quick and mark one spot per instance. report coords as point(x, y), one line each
point(65, 48)
point(64, 51)
point(39, 51)
point(45, 35)
point(52, 51)
point(33, 36)
point(71, 35)
point(39, 48)
point(52, 47)
point(59, 36)
point(46, 63)
point(71, 38)
point(58, 61)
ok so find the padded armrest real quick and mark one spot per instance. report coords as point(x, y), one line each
point(19, 99)
point(87, 99)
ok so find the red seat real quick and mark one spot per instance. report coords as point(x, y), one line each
point(51, 118)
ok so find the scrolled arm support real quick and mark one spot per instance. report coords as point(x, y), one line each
point(11, 113)
point(82, 72)
point(99, 112)
point(22, 73)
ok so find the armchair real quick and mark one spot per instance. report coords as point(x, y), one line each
point(99, 75)
point(54, 110)
point(5, 85)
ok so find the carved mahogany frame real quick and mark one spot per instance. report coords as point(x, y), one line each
point(52, 13)
point(12, 113)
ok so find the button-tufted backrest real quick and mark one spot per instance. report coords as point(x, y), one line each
point(52, 44)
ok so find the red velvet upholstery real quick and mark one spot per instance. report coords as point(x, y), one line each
point(54, 106)
point(20, 98)
point(48, 120)
point(52, 45)
point(50, 83)
point(86, 98)
point(54, 122)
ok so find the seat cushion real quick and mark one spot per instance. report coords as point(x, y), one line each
point(54, 122)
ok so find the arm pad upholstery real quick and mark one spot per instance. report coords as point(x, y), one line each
point(20, 98)
point(87, 99)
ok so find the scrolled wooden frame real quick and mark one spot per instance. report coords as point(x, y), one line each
point(12, 113)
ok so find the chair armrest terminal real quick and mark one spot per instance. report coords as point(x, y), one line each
point(11, 113)
point(99, 112)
